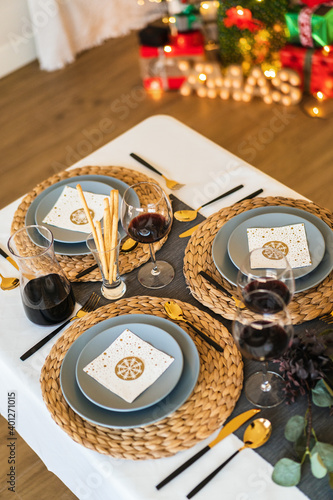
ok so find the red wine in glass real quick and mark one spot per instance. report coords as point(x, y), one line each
point(148, 227)
point(146, 216)
point(262, 337)
point(260, 302)
point(263, 340)
point(47, 300)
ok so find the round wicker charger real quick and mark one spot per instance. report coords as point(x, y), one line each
point(305, 306)
point(218, 388)
point(73, 264)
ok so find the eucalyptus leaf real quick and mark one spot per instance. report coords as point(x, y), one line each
point(325, 451)
point(318, 468)
point(300, 445)
point(294, 428)
point(321, 396)
point(287, 472)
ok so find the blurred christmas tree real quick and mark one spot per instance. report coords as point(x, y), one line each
point(251, 32)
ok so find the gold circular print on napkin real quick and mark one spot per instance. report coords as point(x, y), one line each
point(271, 247)
point(130, 368)
point(79, 217)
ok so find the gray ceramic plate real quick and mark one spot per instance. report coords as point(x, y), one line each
point(102, 396)
point(75, 248)
point(48, 201)
point(115, 419)
point(238, 241)
point(229, 271)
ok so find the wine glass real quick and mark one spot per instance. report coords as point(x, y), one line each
point(265, 269)
point(147, 218)
point(263, 337)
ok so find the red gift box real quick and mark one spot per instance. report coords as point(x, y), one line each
point(315, 66)
point(161, 68)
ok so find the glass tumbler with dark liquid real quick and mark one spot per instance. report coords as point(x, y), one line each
point(46, 293)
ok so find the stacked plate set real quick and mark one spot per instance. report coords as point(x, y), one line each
point(97, 404)
point(230, 245)
point(68, 242)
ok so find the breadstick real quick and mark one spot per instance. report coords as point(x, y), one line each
point(114, 231)
point(102, 249)
point(87, 212)
point(107, 228)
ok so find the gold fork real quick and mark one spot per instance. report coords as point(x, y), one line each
point(327, 318)
point(170, 183)
point(89, 306)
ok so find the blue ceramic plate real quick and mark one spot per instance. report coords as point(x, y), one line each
point(229, 271)
point(238, 241)
point(75, 248)
point(48, 201)
point(122, 419)
point(102, 396)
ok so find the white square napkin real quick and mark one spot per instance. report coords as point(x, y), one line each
point(68, 212)
point(290, 240)
point(128, 366)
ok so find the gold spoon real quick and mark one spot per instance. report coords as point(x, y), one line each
point(256, 434)
point(128, 244)
point(9, 283)
point(175, 312)
point(188, 215)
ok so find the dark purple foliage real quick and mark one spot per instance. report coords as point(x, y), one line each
point(305, 362)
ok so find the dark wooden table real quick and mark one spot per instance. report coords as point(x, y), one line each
point(277, 447)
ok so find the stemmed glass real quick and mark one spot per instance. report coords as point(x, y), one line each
point(148, 221)
point(263, 337)
point(274, 275)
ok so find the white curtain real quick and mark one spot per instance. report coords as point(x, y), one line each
point(63, 28)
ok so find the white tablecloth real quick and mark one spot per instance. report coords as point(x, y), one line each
point(207, 170)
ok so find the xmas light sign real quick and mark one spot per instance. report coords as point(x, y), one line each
point(207, 80)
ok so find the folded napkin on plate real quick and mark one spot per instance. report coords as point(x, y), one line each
point(128, 366)
point(290, 240)
point(68, 212)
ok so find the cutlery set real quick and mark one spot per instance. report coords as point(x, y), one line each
point(256, 434)
point(175, 312)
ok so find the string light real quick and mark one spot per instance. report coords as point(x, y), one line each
point(326, 49)
point(202, 77)
point(172, 20)
point(320, 96)
point(315, 111)
point(167, 48)
point(270, 73)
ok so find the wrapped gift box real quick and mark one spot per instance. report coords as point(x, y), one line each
point(310, 27)
point(315, 66)
point(167, 67)
point(187, 20)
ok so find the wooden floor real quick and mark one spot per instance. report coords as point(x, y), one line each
point(50, 120)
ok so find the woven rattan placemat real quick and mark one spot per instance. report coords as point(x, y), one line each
point(217, 390)
point(305, 306)
point(71, 265)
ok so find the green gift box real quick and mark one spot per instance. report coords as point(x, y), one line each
point(310, 27)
